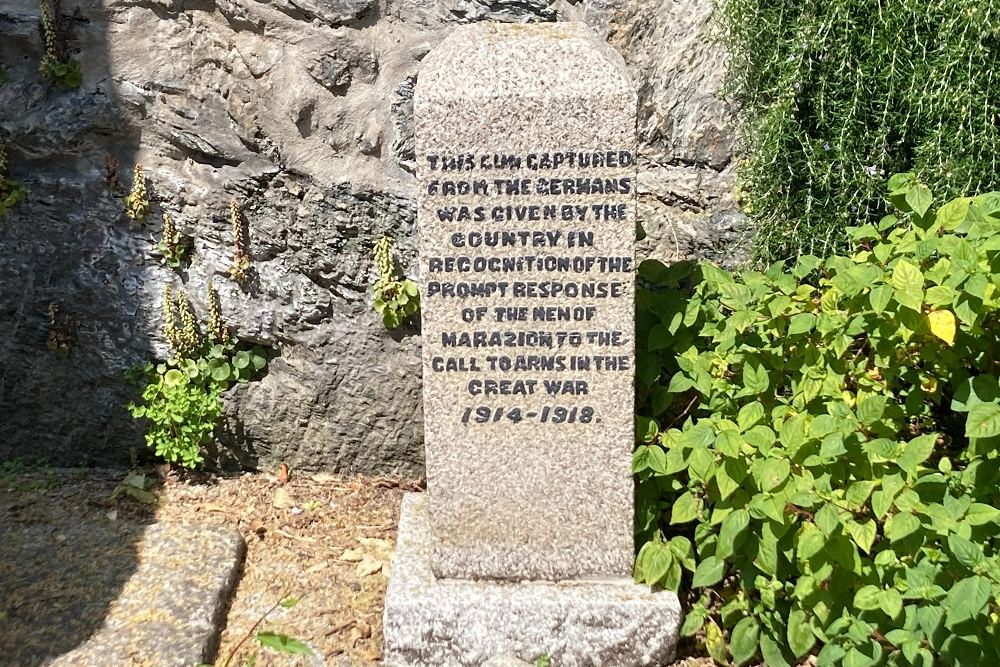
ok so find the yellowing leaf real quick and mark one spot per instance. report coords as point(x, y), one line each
point(942, 323)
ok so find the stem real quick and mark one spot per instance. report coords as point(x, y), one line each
point(249, 633)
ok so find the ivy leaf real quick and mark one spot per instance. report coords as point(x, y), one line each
point(771, 651)
point(801, 323)
point(772, 473)
point(917, 451)
point(709, 572)
point(715, 642)
point(967, 553)
point(981, 513)
point(755, 379)
point(744, 639)
point(952, 215)
point(863, 534)
point(749, 415)
point(906, 276)
point(942, 324)
point(879, 298)
point(653, 562)
point(890, 602)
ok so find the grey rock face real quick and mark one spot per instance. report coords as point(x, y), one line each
point(302, 109)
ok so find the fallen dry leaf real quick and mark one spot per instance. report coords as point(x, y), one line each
point(364, 630)
point(282, 473)
point(257, 526)
point(352, 555)
point(324, 477)
point(369, 566)
point(322, 565)
point(282, 499)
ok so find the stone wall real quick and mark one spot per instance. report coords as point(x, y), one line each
point(302, 110)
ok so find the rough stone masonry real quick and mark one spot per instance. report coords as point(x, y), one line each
point(525, 152)
point(303, 111)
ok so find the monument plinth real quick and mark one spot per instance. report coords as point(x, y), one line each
point(525, 146)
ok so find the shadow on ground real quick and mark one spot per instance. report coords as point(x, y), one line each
point(64, 558)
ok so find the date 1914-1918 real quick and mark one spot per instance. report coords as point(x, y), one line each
point(547, 414)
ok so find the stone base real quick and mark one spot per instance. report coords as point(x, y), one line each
point(428, 621)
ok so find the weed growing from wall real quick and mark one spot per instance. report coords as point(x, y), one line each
point(240, 269)
point(111, 174)
point(61, 336)
point(396, 300)
point(171, 246)
point(10, 192)
point(137, 200)
point(836, 94)
point(182, 397)
point(57, 67)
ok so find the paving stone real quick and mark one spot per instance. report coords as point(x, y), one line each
point(171, 611)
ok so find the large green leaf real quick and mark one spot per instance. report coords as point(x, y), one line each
point(743, 640)
point(966, 600)
point(283, 643)
point(983, 421)
point(709, 572)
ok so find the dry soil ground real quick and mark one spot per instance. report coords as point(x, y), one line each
point(322, 539)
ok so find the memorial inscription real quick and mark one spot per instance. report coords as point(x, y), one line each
point(569, 275)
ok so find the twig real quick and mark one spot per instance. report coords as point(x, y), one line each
point(250, 632)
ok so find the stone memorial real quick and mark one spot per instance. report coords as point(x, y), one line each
point(523, 546)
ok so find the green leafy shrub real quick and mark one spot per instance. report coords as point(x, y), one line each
point(396, 300)
point(182, 396)
point(819, 453)
point(835, 94)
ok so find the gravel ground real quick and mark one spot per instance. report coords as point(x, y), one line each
point(326, 541)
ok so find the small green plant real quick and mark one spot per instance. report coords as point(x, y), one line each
point(819, 450)
point(396, 300)
point(10, 192)
point(171, 246)
point(137, 201)
point(57, 67)
point(240, 269)
point(61, 337)
point(181, 398)
point(267, 640)
point(543, 661)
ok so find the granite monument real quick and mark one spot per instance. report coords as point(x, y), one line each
point(526, 165)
